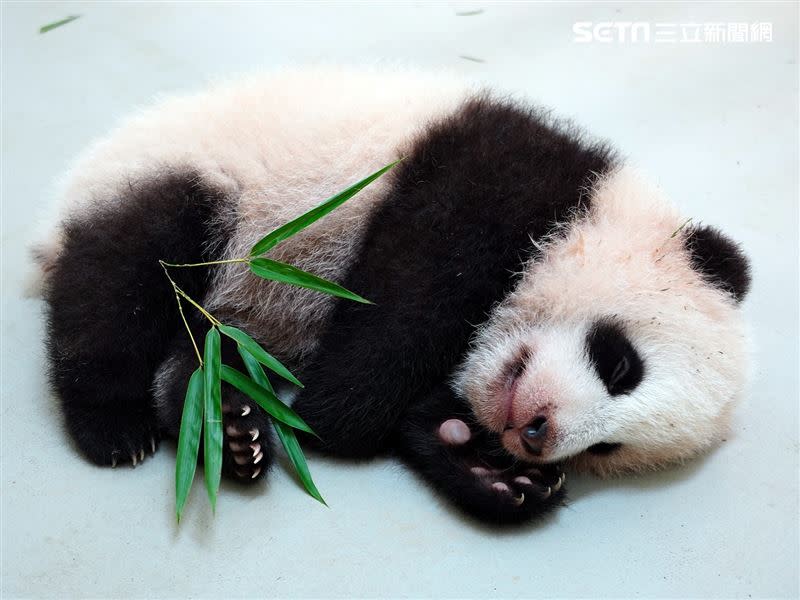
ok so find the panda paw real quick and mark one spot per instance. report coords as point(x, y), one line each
point(496, 486)
point(112, 437)
point(510, 482)
point(468, 465)
point(247, 451)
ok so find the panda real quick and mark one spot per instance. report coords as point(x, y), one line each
point(537, 303)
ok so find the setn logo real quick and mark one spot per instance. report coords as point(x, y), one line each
point(611, 31)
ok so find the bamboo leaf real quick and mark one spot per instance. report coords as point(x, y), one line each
point(255, 370)
point(295, 452)
point(189, 440)
point(278, 271)
point(212, 393)
point(54, 24)
point(285, 433)
point(275, 237)
point(265, 398)
point(261, 355)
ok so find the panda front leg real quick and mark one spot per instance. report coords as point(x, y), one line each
point(441, 441)
point(247, 446)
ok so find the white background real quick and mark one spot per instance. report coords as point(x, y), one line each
point(715, 124)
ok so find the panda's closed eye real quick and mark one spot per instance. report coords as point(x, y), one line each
point(620, 372)
point(614, 358)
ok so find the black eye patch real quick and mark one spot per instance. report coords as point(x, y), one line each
point(614, 358)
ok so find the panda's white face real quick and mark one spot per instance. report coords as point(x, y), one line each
point(612, 351)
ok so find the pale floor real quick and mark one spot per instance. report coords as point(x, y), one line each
point(715, 124)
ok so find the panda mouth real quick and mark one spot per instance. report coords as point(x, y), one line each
point(603, 448)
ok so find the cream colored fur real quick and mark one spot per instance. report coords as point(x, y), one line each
point(625, 259)
point(277, 144)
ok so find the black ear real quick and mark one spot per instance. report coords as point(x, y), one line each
point(719, 259)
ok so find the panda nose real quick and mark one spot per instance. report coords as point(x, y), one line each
point(534, 434)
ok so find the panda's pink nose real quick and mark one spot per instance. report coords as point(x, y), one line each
point(534, 434)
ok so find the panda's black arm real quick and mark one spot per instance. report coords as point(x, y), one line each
point(472, 470)
point(376, 360)
point(447, 242)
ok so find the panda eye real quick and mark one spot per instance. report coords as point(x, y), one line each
point(620, 371)
point(614, 358)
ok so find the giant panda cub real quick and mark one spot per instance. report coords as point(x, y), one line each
point(537, 303)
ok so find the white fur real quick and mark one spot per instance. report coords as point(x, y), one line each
point(625, 259)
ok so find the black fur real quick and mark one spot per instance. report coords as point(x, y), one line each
point(447, 468)
point(112, 312)
point(616, 361)
point(604, 448)
point(447, 244)
point(720, 260)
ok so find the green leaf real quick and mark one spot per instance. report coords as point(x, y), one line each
point(295, 453)
point(189, 440)
point(278, 271)
point(54, 24)
point(275, 237)
point(212, 394)
point(285, 433)
point(255, 371)
point(261, 355)
point(265, 398)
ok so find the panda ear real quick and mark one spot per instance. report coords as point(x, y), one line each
point(719, 259)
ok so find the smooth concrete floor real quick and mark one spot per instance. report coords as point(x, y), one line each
point(715, 124)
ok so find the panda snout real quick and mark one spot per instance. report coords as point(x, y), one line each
point(534, 434)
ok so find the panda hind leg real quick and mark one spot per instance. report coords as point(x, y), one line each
point(247, 446)
point(440, 441)
point(111, 312)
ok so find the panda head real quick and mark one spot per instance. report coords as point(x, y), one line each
point(622, 347)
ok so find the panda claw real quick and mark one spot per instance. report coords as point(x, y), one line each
point(255, 473)
point(114, 461)
point(254, 434)
point(256, 448)
point(152, 445)
point(547, 493)
point(133, 459)
point(258, 458)
point(520, 499)
point(557, 484)
point(245, 410)
point(141, 455)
